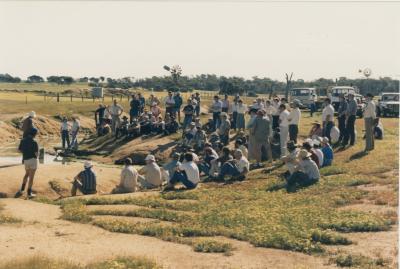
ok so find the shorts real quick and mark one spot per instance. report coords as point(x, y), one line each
point(31, 164)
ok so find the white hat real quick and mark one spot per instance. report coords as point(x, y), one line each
point(150, 158)
point(32, 114)
point(316, 142)
point(304, 154)
point(309, 141)
point(87, 164)
point(325, 140)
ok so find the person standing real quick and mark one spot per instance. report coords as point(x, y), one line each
point(224, 128)
point(342, 117)
point(241, 111)
point(275, 116)
point(188, 111)
point(65, 133)
point(76, 126)
point(327, 118)
point(351, 112)
point(283, 128)
point(313, 105)
point(216, 109)
point(30, 153)
point(170, 104)
point(260, 130)
point(234, 112)
point(115, 110)
point(369, 117)
point(134, 112)
point(225, 104)
point(178, 104)
point(294, 119)
point(142, 102)
point(197, 108)
point(27, 124)
point(99, 115)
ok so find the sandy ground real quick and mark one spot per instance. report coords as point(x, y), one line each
point(44, 233)
point(11, 178)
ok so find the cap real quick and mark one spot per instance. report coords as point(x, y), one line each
point(150, 158)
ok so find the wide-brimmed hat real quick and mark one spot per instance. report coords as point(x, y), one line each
point(87, 164)
point(325, 140)
point(316, 142)
point(316, 123)
point(150, 158)
point(32, 114)
point(309, 141)
point(304, 154)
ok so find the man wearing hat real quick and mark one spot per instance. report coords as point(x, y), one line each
point(30, 153)
point(309, 147)
point(122, 128)
point(27, 124)
point(150, 174)
point(351, 113)
point(369, 117)
point(85, 181)
point(224, 128)
point(316, 130)
point(294, 119)
point(178, 104)
point(188, 112)
point(291, 158)
point(115, 111)
point(198, 100)
point(306, 172)
point(327, 118)
point(216, 109)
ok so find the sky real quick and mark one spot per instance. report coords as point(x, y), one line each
point(136, 38)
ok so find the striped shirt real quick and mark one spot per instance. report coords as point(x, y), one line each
point(88, 180)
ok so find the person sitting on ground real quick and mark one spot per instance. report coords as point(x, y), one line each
point(199, 139)
point(150, 175)
point(27, 124)
point(85, 181)
point(306, 172)
point(237, 168)
point(159, 126)
point(103, 129)
point(188, 112)
point(327, 151)
point(316, 148)
point(155, 110)
point(189, 134)
point(239, 145)
point(208, 126)
point(170, 167)
point(187, 173)
point(198, 123)
point(30, 153)
point(145, 125)
point(122, 128)
point(378, 128)
point(225, 156)
point(128, 181)
point(172, 126)
point(224, 128)
point(316, 130)
point(307, 145)
point(134, 129)
point(205, 163)
point(291, 159)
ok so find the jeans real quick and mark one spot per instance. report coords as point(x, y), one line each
point(275, 121)
point(342, 127)
point(234, 116)
point(182, 177)
point(74, 140)
point(186, 121)
point(204, 167)
point(293, 131)
point(350, 131)
point(327, 130)
point(197, 110)
point(216, 120)
point(299, 179)
point(369, 134)
point(313, 108)
point(65, 138)
point(229, 169)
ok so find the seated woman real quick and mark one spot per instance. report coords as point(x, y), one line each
point(316, 130)
point(188, 134)
point(187, 173)
point(225, 156)
point(199, 139)
point(378, 129)
point(327, 151)
point(85, 181)
point(205, 163)
point(237, 168)
point(291, 158)
point(306, 173)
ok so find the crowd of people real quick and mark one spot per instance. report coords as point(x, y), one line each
point(238, 137)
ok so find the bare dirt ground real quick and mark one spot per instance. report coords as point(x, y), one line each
point(44, 233)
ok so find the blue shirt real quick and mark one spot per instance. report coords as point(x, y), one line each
point(328, 155)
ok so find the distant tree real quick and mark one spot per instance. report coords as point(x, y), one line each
point(93, 79)
point(84, 79)
point(9, 78)
point(102, 79)
point(35, 79)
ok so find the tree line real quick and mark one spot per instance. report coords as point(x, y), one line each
point(222, 84)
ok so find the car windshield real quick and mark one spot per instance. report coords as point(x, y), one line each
point(390, 97)
point(337, 92)
point(300, 92)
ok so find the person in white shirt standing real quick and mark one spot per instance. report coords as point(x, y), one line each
point(369, 117)
point(65, 133)
point(294, 119)
point(115, 111)
point(275, 116)
point(76, 125)
point(283, 128)
point(327, 119)
point(129, 177)
point(170, 104)
point(216, 109)
point(187, 173)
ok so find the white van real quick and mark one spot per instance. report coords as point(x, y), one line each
point(304, 95)
point(335, 92)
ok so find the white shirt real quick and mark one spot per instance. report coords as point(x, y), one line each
point(115, 110)
point(170, 101)
point(369, 111)
point(234, 107)
point(216, 106)
point(294, 116)
point(241, 109)
point(64, 126)
point(276, 106)
point(191, 170)
point(270, 110)
point(244, 150)
point(75, 126)
point(328, 111)
point(243, 163)
point(129, 178)
point(283, 117)
point(320, 156)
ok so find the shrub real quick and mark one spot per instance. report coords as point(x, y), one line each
point(329, 238)
point(208, 245)
point(75, 211)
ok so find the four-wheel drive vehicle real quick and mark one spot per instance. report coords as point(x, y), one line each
point(304, 95)
point(360, 104)
point(335, 92)
point(388, 104)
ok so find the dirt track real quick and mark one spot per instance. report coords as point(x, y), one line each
point(42, 232)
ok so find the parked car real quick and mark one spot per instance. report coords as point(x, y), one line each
point(304, 95)
point(335, 92)
point(388, 104)
point(360, 104)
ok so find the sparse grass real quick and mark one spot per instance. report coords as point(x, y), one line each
point(75, 211)
point(6, 219)
point(332, 170)
point(358, 261)
point(329, 238)
point(161, 214)
point(358, 182)
point(39, 262)
point(208, 245)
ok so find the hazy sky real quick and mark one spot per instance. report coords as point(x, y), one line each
point(136, 39)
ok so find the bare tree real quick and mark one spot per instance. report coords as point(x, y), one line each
point(288, 84)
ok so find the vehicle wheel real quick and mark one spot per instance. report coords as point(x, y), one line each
point(384, 114)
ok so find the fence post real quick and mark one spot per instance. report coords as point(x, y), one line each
point(58, 97)
point(82, 97)
point(26, 99)
point(112, 97)
point(93, 99)
point(120, 98)
point(103, 98)
point(71, 97)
